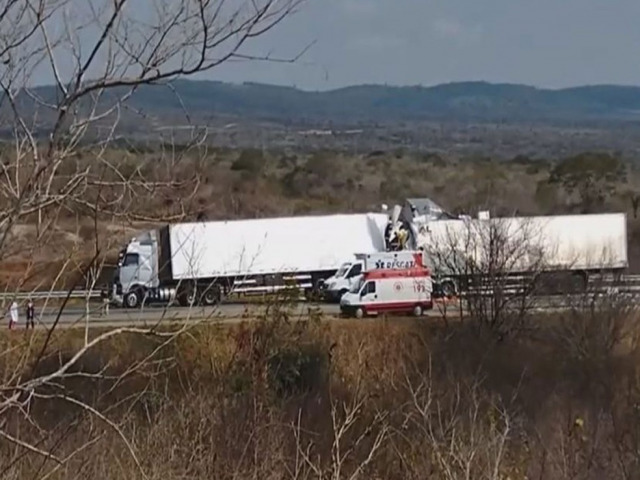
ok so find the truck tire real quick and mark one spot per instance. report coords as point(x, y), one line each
point(211, 297)
point(448, 289)
point(132, 299)
point(186, 297)
point(579, 282)
point(417, 311)
point(359, 313)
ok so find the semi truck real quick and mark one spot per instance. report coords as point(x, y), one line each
point(350, 272)
point(459, 248)
point(200, 263)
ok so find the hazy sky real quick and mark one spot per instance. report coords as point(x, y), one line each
point(548, 43)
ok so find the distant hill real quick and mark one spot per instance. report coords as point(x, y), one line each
point(455, 101)
point(465, 101)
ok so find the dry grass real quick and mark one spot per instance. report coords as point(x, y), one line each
point(408, 399)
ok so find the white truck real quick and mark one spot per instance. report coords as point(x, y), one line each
point(201, 262)
point(459, 248)
point(350, 273)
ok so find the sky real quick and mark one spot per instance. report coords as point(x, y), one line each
point(545, 43)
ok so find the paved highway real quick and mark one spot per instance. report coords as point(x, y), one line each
point(229, 313)
point(74, 315)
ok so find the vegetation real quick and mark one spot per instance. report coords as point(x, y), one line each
point(498, 393)
point(280, 398)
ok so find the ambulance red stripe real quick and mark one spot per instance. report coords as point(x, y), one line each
point(405, 273)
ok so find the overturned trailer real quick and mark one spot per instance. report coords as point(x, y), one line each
point(457, 248)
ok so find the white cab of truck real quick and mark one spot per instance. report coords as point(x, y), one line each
point(389, 291)
point(350, 273)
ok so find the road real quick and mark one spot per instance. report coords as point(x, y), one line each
point(232, 313)
point(228, 313)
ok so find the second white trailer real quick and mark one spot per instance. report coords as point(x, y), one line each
point(577, 244)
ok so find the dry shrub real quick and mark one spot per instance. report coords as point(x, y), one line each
point(394, 399)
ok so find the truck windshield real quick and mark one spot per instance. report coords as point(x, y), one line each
point(355, 288)
point(355, 270)
point(342, 271)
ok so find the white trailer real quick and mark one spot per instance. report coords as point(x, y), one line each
point(579, 244)
point(205, 260)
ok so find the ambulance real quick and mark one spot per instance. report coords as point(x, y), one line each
point(389, 291)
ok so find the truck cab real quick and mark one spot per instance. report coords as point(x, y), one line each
point(137, 270)
point(389, 291)
point(343, 280)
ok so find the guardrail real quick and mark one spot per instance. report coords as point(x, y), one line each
point(625, 284)
point(53, 294)
point(629, 284)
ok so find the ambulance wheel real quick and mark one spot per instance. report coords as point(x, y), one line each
point(359, 313)
point(417, 311)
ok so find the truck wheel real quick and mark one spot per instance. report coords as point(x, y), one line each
point(579, 282)
point(187, 297)
point(191, 297)
point(211, 297)
point(132, 300)
point(448, 288)
point(359, 313)
point(417, 311)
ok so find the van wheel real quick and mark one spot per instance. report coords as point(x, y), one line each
point(417, 311)
point(359, 313)
point(132, 300)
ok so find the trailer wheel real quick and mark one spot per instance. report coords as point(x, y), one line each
point(211, 296)
point(417, 311)
point(132, 300)
point(448, 288)
point(579, 282)
point(359, 312)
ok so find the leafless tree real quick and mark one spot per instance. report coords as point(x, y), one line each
point(57, 165)
point(457, 432)
point(494, 263)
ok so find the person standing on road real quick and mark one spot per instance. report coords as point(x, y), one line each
point(30, 315)
point(105, 304)
point(13, 315)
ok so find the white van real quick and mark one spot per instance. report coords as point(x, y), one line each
point(348, 275)
point(389, 291)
